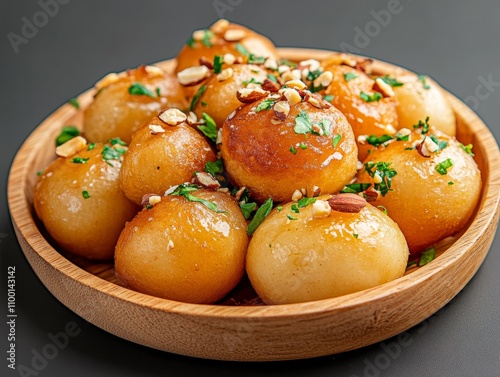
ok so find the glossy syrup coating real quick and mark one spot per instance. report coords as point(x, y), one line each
point(115, 112)
point(427, 205)
point(181, 250)
point(295, 257)
point(272, 160)
point(81, 204)
point(219, 96)
point(377, 117)
point(217, 40)
point(157, 161)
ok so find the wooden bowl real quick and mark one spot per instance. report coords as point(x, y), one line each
point(240, 327)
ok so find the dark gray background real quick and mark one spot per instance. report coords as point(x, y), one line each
point(456, 42)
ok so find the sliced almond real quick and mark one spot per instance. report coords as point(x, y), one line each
point(350, 203)
point(225, 74)
point(314, 101)
point(283, 68)
point(249, 95)
point(193, 75)
point(170, 245)
point(383, 88)
point(220, 26)
point(293, 97)
point(229, 59)
point(281, 109)
point(297, 195)
point(206, 180)
point(311, 64)
point(321, 209)
point(206, 62)
point(71, 147)
point(155, 129)
point(154, 71)
point(234, 35)
point(271, 64)
point(172, 117)
point(296, 84)
point(270, 85)
point(324, 79)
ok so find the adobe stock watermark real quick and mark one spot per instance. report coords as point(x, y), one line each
point(31, 26)
point(483, 91)
point(57, 342)
point(380, 20)
point(223, 6)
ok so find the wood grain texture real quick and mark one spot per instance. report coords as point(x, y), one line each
point(241, 328)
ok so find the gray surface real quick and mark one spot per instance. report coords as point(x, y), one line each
point(456, 42)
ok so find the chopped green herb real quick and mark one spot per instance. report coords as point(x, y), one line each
point(117, 140)
point(279, 208)
point(272, 78)
point(157, 92)
point(350, 76)
point(110, 153)
point(197, 96)
point(376, 96)
point(355, 188)
point(137, 89)
point(328, 98)
point(304, 202)
point(288, 63)
point(468, 149)
point(391, 81)
point(303, 146)
point(303, 125)
point(206, 38)
point(190, 42)
point(311, 76)
point(67, 133)
point(423, 125)
point(293, 149)
point(400, 137)
point(355, 235)
point(247, 209)
point(186, 190)
point(85, 194)
point(450, 183)
point(423, 80)
point(242, 49)
point(260, 215)
point(39, 172)
point(411, 263)
point(251, 81)
point(384, 171)
point(383, 209)
point(376, 141)
point(148, 207)
point(440, 143)
point(442, 167)
point(265, 105)
point(253, 59)
point(336, 140)
point(79, 160)
point(409, 148)
point(427, 256)
point(74, 102)
point(294, 208)
point(218, 60)
point(91, 146)
point(209, 129)
point(204, 104)
point(214, 168)
point(290, 217)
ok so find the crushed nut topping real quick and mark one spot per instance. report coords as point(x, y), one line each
point(199, 35)
point(270, 85)
point(271, 64)
point(71, 147)
point(293, 97)
point(324, 79)
point(150, 199)
point(297, 195)
point(426, 147)
point(296, 84)
point(311, 64)
point(249, 95)
point(234, 35)
point(154, 71)
point(172, 117)
point(225, 74)
point(206, 62)
point(193, 75)
point(154, 129)
point(170, 245)
point(281, 109)
point(206, 180)
point(383, 88)
point(229, 59)
point(239, 193)
point(321, 209)
point(220, 26)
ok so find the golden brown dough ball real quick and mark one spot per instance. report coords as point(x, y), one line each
point(219, 93)
point(223, 38)
point(161, 155)
point(79, 200)
point(429, 184)
point(368, 111)
point(182, 250)
point(274, 149)
point(309, 251)
point(419, 97)
point(124, 102)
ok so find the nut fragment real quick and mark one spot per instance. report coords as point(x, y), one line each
point(71, 147)
point(206, 180)
point(229, 59)
point(206, 62)
point(371, 195)
point(225, 74)
point(154, 129)
point(233, 35)
point(193, 75)
point(154, 71)
point(239, 193)
point(220, 26)
point(324, 79)
point(270, 85)
point(150, 199)
point(281, 109)
point(293, 97)
point(350, 203)
point(311, 64)
point(296, 84)
point(271, 64)
point(314, 101)
point(249, 95)
point(198, 35)
point(297, 195)
point(321, 209)
point(383, 88)
point(170, 245)
point(172, 117)
point(426, 147)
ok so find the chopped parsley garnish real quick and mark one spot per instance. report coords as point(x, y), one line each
point(74, 102)
point(79, 160)
point(355, 188)
point(294, 208)
point(450, 183)
point(110, 153)
point(440, 143)
point(303, 125)
point(293, 149)
point(206, 38)
point(391, 81)
point(427, 256)
point(204, 104)
point(218, 60)
point(260, 215)
point(376, 96)
point(265, 105)
point(214, 167)
point(137, 89)
point(251, 81)
point(423, 125)
point(468, 149)
point(290, 217)
point(197, 96)
point(303, 146)
point(148, 207)
point(157, 92)
point(384, 171)
point(423, 80)
point(67, 133)
point(350, 76)
point(376, 141)
point(442, 167)
point(247, 209)
point(328, 98)
point(311, 76)
point(253, 59)
point(39, 173)
point(411, 263)
point(336, 140)
point(242, 49)
point(117, 140)
point(288, 63)
point(355, 235)
point(91, 146)
point(209, 129)
point(272, 78)
point(400, 137)
point(279, 208)
point(304, 202)
point(190, 42)
point(86, 194)
point(186, 190)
